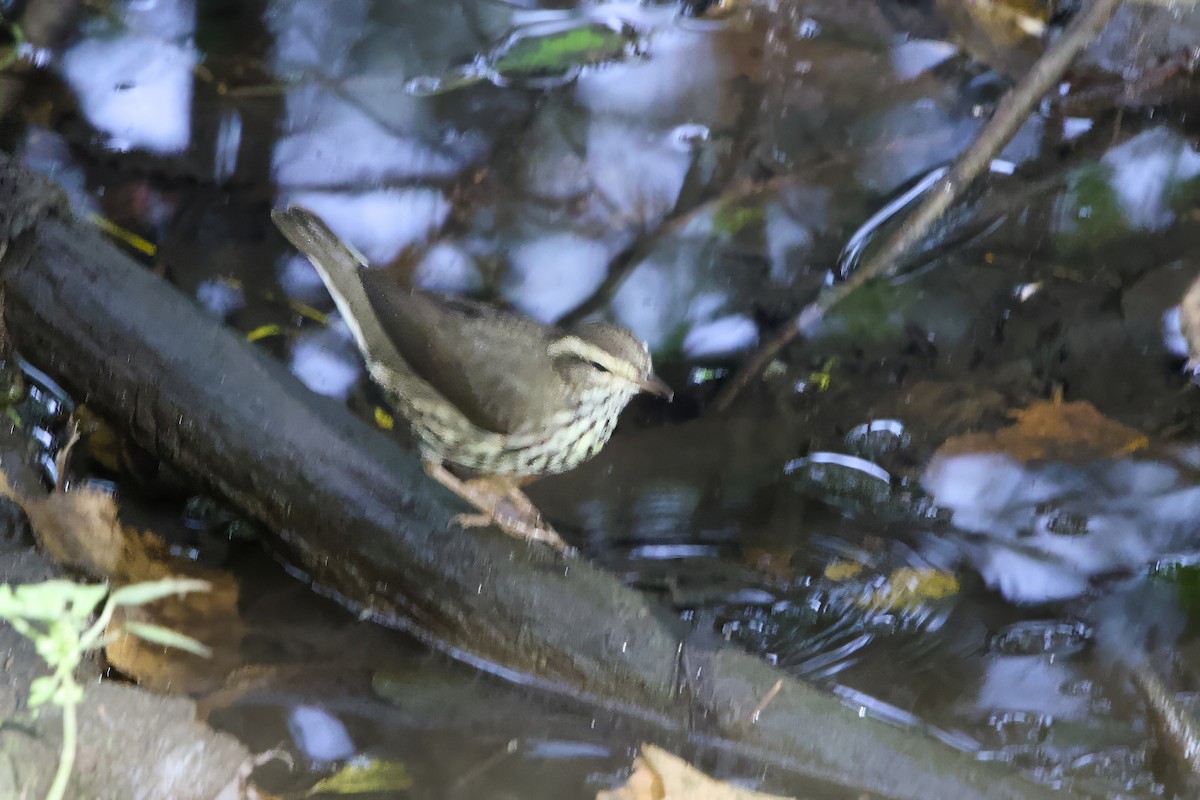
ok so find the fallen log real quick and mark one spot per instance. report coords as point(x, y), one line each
point(356, 512)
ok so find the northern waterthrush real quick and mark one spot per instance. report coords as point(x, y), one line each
point(483, 388)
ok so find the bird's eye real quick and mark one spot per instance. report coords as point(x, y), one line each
point(598, 366)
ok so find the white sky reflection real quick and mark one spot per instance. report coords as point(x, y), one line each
point(135, 84)
point(1143, 171)
point(324, 361)
point(551, 274)
point(380, 223)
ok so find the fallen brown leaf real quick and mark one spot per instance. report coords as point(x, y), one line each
point(210, 617)
point(82, 529)
point(77, 529)
point(909, 588)
point(659, 775)
point(772, 562)
point(1073, 432)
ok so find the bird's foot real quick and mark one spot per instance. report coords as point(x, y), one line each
point(521, 502)
point(500, 503)
point(515, 526)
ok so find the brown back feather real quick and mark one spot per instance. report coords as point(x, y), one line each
point(489, 363)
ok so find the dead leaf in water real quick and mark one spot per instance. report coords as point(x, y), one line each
point(102, 442)
point(773, 563)
point(82, 529)
point(909, 588)
point(839, 571)
point(659, 775)
point(364, 775)
point(1004, 34)
point(210, 617)
point(77, 529)
point(1074, 432)
point(905, 590)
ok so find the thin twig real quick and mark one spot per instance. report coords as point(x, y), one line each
point(64, 455)
point(1177, 729)
point(766, 701)
point(1010, 114)
point(686, 209)
point(739, 190)
point(489, 763)
point(1154, 86)
point(643, 244)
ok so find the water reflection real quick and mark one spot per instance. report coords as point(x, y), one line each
point(1041, 637)
point(380, 223)
point(1145, 171)
point(1046, 532)
point(551, 274)
point(220, 297)
point(134, 80)
point(722, 336)
point(910, 59)
point(730, 161)
point(319, 735)
point(326, 362)
point(878, 438)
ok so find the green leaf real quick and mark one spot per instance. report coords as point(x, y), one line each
point(561, 51)
point(41, 690)
point(59, 645)
point(139, 594)
point(362, 775)
point(166, 637)
point(527, 55)
point(55, 599)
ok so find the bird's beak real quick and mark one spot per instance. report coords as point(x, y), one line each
point(654, 385)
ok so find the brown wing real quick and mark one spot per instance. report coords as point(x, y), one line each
point(491, 364)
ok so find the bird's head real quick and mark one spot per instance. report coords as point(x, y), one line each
point(601, 355)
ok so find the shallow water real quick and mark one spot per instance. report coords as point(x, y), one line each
point(721, 166)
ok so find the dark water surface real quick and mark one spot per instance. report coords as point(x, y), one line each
point(520, 153)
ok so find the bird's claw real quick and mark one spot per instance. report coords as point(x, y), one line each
point(514, 525)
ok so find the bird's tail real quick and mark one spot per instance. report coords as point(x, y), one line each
point(338, 264)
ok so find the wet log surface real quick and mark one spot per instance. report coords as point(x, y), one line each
point(356, 512)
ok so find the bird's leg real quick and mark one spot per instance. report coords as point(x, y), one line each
point(464, 489)
point(510, 489)
point(527, 523)
point(517, 518)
